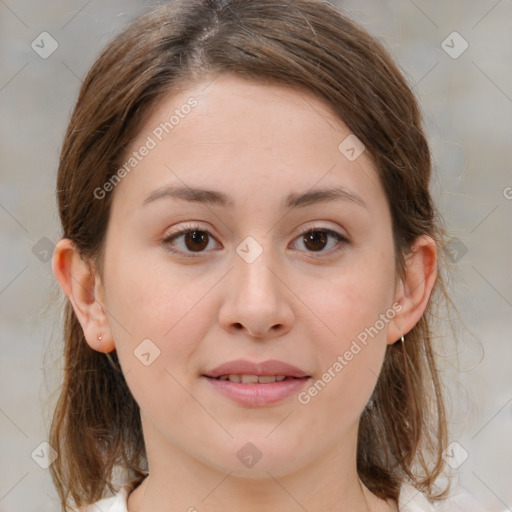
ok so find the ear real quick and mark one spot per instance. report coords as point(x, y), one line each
point(414, 290)
point(84, 289)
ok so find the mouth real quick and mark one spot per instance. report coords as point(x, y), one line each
point(254, 379)
point(257, 390)
point(257, 384)
point(248, 371)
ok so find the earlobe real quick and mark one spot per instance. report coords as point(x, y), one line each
point(82, 284)
point(414, 290)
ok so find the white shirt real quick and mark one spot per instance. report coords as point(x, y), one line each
point(410, 500)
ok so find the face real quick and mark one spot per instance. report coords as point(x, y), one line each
point(257, 271)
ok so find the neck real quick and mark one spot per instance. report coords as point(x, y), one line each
point(178, 481)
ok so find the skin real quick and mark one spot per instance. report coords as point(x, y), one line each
point(256, 143)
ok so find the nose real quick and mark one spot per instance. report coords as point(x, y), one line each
point(257, 299)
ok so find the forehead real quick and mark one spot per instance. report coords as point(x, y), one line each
point(241, 136)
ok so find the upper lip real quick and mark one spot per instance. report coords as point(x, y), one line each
point(244, 367)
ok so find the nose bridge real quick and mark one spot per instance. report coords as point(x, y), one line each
point(256, 299)
point(252, 262)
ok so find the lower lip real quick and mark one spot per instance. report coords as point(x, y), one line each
point(258, 395)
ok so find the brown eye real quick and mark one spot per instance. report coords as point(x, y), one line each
point(316, 240)
point(196, 240)
point(189, 241)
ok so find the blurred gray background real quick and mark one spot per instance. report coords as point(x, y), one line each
point(464, 83)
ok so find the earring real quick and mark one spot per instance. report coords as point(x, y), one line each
point(100, 337)
point(402, 339)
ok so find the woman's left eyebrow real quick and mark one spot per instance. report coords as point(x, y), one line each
point(217, 198)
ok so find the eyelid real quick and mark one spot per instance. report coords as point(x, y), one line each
point(191, 226)
point(313, 226)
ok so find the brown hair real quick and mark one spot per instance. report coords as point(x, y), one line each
point(303, 44)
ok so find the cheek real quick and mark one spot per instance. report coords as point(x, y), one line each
point(356, 310)
point(358, 333)
point(154, 321)
point(143, 291)
point(355, 299)
point(150, 300)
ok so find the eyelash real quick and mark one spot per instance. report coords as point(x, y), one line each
point(341, 240)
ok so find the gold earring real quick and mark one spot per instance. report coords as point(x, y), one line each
point(100, 337)
point(402, 339)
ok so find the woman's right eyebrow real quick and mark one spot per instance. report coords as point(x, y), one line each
point(190, 194)
point(217, 198)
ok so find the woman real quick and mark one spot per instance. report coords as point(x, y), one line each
point(250, 252)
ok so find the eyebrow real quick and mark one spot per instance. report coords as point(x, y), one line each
point(293, 200)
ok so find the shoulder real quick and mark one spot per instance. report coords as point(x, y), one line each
point(459, 500)
point(115, 503)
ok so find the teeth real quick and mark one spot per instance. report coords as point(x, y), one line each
point(249, 379)
point(266, 378)
point(252, 379)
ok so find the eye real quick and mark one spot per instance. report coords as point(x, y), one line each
point(194, 239)
point(317, 239)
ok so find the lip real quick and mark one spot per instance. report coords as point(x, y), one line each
point(256, 394)
point(268, 367)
